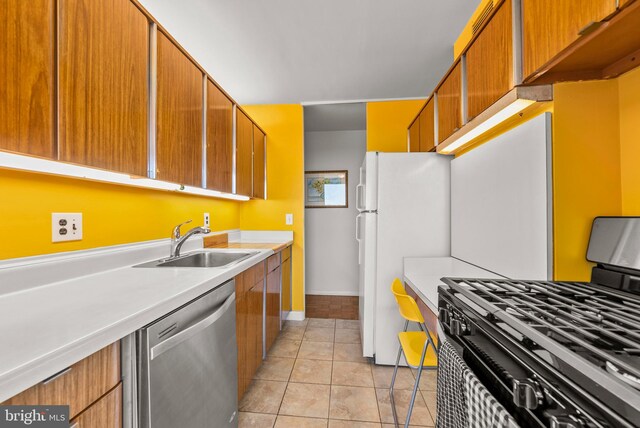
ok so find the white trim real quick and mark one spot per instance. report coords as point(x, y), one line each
point(296, 316)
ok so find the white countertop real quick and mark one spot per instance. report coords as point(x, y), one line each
point(423, 275)
point(47, 326)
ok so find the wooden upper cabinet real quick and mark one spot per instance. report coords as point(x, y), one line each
point(549, 26)
point(27, 73)
point(179, 116)
point(490, 72)
point(219, 139)
point(449, 103)
point(427, 123)
point(259, 153)
point(244, 154)
point(414, 135)
point(103, 90)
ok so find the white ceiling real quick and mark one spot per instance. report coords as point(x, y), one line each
point(294, 51)
point(335, 117)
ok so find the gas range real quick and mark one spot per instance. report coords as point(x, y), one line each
point(557, 354)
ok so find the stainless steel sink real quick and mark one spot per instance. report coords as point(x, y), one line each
point(207, 259)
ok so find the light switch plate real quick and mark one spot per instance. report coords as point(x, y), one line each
point(207, 220)
point(66, 227)
point(289, 219)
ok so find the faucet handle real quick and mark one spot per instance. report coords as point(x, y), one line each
point(176, 230)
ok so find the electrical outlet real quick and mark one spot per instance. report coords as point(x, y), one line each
point(207, 221)
point(66, 227)
point(289, 219)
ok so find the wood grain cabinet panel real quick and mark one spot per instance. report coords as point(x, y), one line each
point(414, 135)
point(241, 334)
point(219, 139)
point(490, 62)
point(272, 307)
point(259, 153)
point(449, 104)
point(285, 297)
point(427, 124)
point(82, 384)
point(104, 413)
point(244, 154)
point(27, 73)
point(103, 96)
point(256, 309)
point(179, 116)
point(549, 26)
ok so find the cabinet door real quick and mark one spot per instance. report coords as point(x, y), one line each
point(273, 307)
point(104, 413)
point(549, 26)
point(258, 163)
point(179, 116)
point(258, 324)
point(78, 386)
point(449, 104)
point(414, 135)
point(427, 137)
point(285, 297)
point(490, 62)
point(27, 70)
point(241, 335)
point(103, 97)
point(219, 139)
point(244, 154)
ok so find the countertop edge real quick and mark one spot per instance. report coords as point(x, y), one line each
point(21, 377)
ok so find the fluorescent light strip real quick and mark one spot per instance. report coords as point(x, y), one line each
point(45, 166)
point(509, 111)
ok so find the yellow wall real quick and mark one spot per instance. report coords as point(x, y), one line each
point(112, 214)
point(285, 174)
point(629, 96)
point(586, 169)
point(387, 123)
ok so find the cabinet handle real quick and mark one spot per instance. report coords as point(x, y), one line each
point(56, 376)
point(74, 425)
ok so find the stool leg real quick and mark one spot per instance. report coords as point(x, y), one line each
point(393, 381)
point(415, 387)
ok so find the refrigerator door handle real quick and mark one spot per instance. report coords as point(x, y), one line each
point(358, 238)
point(359, 204)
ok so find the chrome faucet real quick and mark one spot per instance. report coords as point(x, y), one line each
point(177, 240)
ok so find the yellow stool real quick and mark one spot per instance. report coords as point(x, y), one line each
point(418, 347)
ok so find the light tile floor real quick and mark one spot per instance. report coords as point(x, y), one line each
point(315, 376)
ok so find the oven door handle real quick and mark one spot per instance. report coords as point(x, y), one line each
point(192, 330)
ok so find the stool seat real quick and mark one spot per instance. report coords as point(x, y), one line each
point(412, 343)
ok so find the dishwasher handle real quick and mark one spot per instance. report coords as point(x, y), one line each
point(192, 330)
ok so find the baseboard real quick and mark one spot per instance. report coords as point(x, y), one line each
point(332, 293)
point(296, 316)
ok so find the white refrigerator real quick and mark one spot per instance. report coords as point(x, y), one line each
point(403, 200)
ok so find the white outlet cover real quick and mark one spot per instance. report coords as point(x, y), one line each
point(289, 219)
point(207, 220)
point(66, 227)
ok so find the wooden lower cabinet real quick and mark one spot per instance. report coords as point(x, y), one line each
point(285, 292)
point(249, 313)
point(91, 388)
point(104, 413)
point(273, 306)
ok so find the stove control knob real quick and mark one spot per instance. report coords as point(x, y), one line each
point(457, 327)
point(527, 394)
point(564, 422)
point(443, 315)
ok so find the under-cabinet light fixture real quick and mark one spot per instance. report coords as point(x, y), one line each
point(505, 108)
point(45, 166)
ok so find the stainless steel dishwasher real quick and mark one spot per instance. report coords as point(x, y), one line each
point(188, 365)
